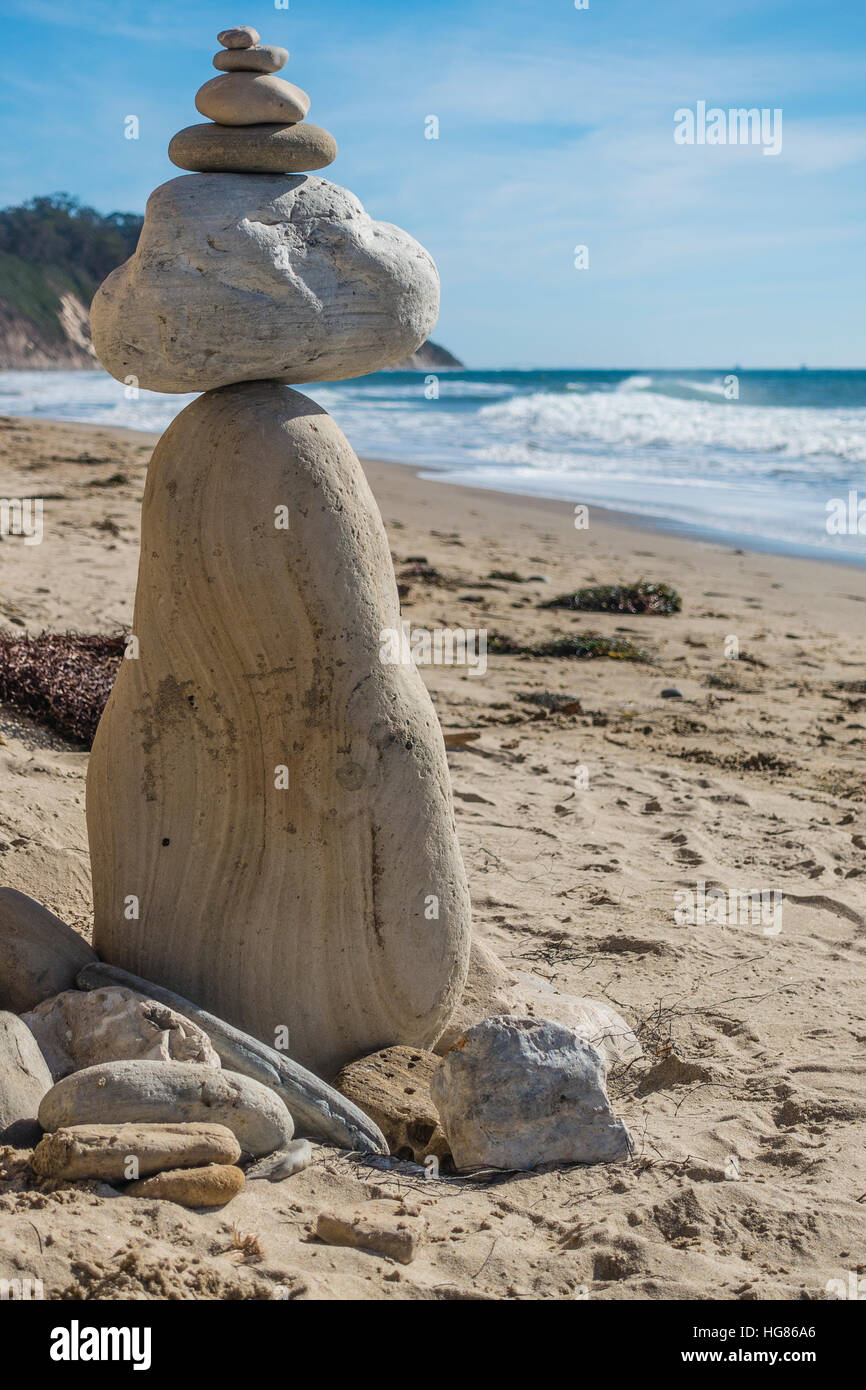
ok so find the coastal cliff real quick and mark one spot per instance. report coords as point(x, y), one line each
point(53, 255)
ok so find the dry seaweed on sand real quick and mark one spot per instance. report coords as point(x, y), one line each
point(642, 597)
point(581, 646)
point(60, 679)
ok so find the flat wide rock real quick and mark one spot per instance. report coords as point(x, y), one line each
point(518, 1092)
point(253, 149)
point(260, 57)
point(164, 1092)
point(127, 1152)
point(392, 1086)
point(192, 1187)
point(76, 1030)
point(269, 277)
point(24, 1080)
point(39, 954)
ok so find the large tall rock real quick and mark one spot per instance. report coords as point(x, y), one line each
point(269, 807)
point(298, 898)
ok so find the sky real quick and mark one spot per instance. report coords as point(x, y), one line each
point(555, 131)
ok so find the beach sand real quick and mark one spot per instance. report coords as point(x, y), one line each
point(748, 1108)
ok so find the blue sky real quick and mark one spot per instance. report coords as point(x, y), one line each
point(555, 130)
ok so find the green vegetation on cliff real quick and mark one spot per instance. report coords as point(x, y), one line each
point(52, 249)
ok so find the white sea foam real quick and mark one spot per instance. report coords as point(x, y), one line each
point(669, 446)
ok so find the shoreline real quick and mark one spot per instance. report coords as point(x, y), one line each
point(605, 515)
point(666, 526)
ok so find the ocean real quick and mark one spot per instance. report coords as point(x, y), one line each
point(773, 459)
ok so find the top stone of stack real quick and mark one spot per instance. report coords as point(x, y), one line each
point(242, 36)
point(258, 119)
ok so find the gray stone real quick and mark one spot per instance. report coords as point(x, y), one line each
point(239, 278)
point(265, 57)
point(104, 1151)
point(315, 1107)
point(163, 1092)
point(24, 1080)
point(517, 1092)
point(241, 36)
point(249, 98)
point(76, 1030)
point(39, 954)
point(253, 149)
point(594, 1021)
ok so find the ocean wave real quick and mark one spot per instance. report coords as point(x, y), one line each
point(667, 445)
point(739, 435)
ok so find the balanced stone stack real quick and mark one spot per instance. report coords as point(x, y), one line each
point(257, 120)
point(269, 807)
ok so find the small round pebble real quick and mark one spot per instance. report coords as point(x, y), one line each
point(242, 36)
point(671, 693)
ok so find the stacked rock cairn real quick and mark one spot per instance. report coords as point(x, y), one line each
point(269, 808)
point(280, 901)
point(259, 119)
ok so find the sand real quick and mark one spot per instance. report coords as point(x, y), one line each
point(748, 1110)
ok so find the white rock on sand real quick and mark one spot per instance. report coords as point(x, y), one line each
point(76, 1030)
point(241, 279)
point(517, 1092)
point(24, 1080)
point(153, 1092)
point(491, 988)
point(285, 1163)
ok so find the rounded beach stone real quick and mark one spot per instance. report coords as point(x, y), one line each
point(212, 1186)
point(104, 1151)
point(336, 295)
point(156, 1092)
point(39, 954)
point(241, 36)
point(250, 98)
point(253, 149)
point(23, 1077)
point(265, 57)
